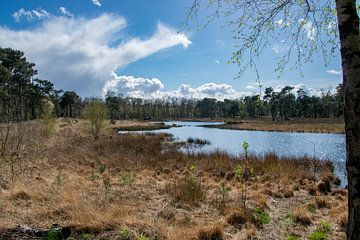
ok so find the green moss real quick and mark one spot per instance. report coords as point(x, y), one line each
point(87, 235)
point(261, 217)
point(317, 235)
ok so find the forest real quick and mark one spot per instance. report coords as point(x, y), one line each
point(22, 96)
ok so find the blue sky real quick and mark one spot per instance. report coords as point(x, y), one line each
point(134, 48)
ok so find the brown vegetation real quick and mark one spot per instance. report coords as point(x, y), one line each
point(143, 186)
point(295, 125)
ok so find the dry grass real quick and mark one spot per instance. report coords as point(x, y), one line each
point(61, 179)
point(295, 125)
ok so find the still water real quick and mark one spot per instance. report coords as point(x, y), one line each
point(322, 146)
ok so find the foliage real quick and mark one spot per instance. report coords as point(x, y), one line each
point(317, 235)
point(284, 104)
point(107, 185)
point(244, 173)
point(17, 89)
point(127, 179)
point(102, 168)
point(87, 235)
point(326, 227)
point(96, 111)
point(224, 193)
point(188, 189)
point(304, 28)
point(47, 116)
point(125, 234)
point(261, 217)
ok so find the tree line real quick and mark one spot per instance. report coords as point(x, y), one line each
point(22, 98)
point(284, 104)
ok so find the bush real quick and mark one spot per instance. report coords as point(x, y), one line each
point(188, 189)
point(239, 218)
point(215, 233)
point(97, 112)
point(300, 216)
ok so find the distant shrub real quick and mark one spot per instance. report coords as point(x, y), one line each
point(47, 117)
point(197, 141)
point(97, 112)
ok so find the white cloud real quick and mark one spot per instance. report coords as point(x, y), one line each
point(153, 88)
point(333, 72)
point(216, 61)
point(150, 88)
point(96, 2)
point(30, 15)
point(134, 87)
point(65, 12)
point(250, 87)
point(82, 54)
point(280, 48)
point(309, 28)
point(308, 90)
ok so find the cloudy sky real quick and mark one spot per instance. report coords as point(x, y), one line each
point(135, 48)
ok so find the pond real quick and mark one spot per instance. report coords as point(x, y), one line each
point(322, 146)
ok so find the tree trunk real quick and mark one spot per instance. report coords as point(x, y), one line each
point(348, 21)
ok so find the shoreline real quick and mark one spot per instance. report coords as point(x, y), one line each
point(230, 127)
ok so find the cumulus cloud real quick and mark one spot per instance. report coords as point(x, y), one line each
point(96, 2)
point(153, 88)
point(308, 90)
point(36, 14)
point(65, 12)
point(83, 54)
point(333, 72)
point(134, 87)
point(150, 88)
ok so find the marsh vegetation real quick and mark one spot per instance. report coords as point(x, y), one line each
point(138, 186)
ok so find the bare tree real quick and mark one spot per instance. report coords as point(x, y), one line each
point(304, 28)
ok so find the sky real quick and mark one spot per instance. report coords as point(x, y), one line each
point(137, 48)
